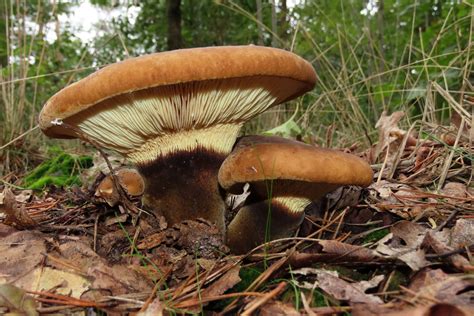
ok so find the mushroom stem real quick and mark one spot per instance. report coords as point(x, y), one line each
point(263, 221)
point(183, 185)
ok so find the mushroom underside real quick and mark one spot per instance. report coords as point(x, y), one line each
point(148, 123)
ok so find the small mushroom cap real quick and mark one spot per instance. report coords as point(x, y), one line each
point(130, 180)
point(275, 166)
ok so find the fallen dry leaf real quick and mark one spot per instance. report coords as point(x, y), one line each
point(347, 252)
point(20, 253)
point(22, 197)
point(438, 241)
point(49, 279)
point(436, 285)
point(386, 196)
point(16, 301)
point(454, 189)
point(441, 309)
point(462, 234)
point(115, 279)
point(276, 308)
point(390, 135)
point(404, 243)
point(224, 283)
point(15, 214)
point(155, 308)
point(330, 283)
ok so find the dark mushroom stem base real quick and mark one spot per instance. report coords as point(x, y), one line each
point(183, 185)
point(263, 221)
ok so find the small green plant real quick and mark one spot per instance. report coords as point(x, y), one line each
point(61, 170)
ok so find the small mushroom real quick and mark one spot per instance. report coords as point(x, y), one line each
point(285, 176)
point(130, 180)
point(176, 116)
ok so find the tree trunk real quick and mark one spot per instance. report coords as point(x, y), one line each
point(173, 12)
point(284, 25)
point(274, 25)
point(260, 22)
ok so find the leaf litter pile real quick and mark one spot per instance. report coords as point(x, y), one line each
point(403, 246)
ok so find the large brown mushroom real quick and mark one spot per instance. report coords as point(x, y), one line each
point(285, 176)
point(176, 116)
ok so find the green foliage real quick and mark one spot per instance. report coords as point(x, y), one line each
point(288, 129)
point(366, 61)
point(61, 170)
point(319, 299)
point(384, 60)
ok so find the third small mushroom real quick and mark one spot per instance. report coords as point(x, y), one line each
point(176, 116)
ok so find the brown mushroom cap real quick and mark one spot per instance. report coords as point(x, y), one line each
point(130, 180)
point(134, 106)
point(279, 167)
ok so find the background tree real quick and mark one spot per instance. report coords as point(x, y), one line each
point(370, 56)
point(173, 12)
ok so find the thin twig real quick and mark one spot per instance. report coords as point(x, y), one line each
point(251, 307)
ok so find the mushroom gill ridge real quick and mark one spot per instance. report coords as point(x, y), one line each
point(142, 124)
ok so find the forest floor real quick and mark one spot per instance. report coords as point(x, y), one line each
point(402, 246)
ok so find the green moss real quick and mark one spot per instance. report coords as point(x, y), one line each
point(61, 170)
point(376, 235)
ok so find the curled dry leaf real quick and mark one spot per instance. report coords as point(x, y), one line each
point(15, 213)
point(330, 283)
point(22, 197)
point(333, 251)
point(21, 264)
point(390, 133)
